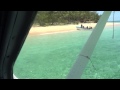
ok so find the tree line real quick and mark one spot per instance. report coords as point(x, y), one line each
point(45, 18)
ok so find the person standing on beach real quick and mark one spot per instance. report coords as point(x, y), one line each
point(87, 27)
point(81, 25)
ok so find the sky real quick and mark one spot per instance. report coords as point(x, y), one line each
point(116, 15)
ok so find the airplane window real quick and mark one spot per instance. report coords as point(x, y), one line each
point(55, 40)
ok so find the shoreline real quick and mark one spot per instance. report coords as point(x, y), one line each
point(62, 28)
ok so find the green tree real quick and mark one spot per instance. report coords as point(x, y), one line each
point(65, 17)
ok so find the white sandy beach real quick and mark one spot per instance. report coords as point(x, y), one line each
point(62, 28)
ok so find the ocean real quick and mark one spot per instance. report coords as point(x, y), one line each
point(51, 56)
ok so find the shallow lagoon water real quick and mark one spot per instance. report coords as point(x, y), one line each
point(51, 56)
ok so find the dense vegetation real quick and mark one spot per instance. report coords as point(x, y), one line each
point(45, 18)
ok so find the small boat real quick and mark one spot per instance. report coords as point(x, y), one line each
point(82, 28)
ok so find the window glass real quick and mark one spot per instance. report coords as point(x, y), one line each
point(55, 40)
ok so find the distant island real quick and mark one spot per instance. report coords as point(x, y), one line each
point(48, 18)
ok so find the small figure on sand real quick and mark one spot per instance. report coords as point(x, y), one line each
point(81, 26)
point(87, 27)
point(90, 27)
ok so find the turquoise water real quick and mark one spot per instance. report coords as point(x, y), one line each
point(51, 56)
point(105, 56)
point(114, 21)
